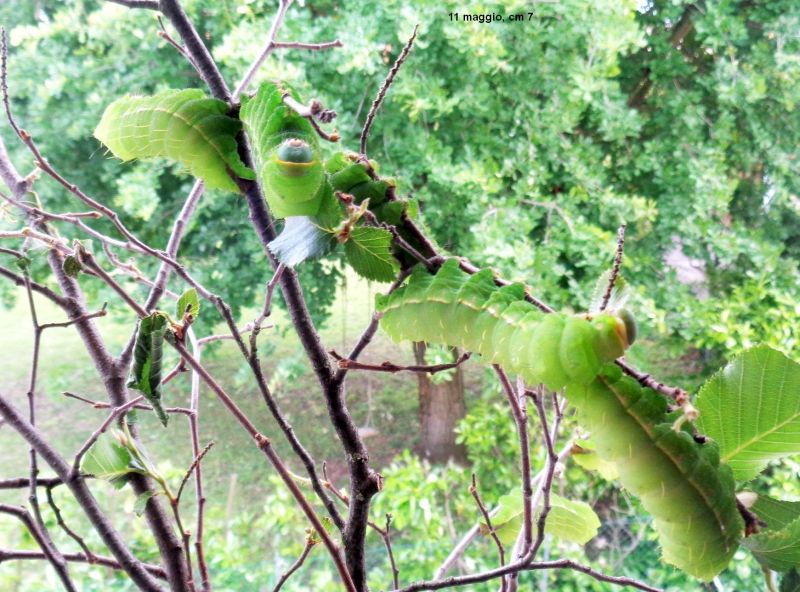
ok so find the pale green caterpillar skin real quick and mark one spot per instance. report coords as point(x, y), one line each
point(471, 312)
point(286, 152)
point(679, 481)
point(182, 125)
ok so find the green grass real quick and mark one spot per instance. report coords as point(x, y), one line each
point(237, 477)
point(385, 402)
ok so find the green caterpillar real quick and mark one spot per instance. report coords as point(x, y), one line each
point(472, 313)
point(183, 125)
point(679, 481)
point(286, 152)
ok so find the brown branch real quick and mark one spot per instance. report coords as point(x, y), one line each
point(473, 489)
point(310, 543)
point(194, 46)
point(679, 395)
point(33, 498)
point(520, 415)
point(178, 47)
point(347, 364)
point(51, 553)
point(19, 280)
point(143, 407)
point(199, 495)
point(80, 318)
point(387, 542)
point(612, 278)
point(383, 532)
point(25, 482)
point(517, 567)
point(363, 479)
point(308, 46)
point(682, 28)
point(71, 533)
point(265, 446)
point(144, 4)
point(312, 113)
point(195, 462)
point(376, 104)
point(112, 377)
point(552, 460)
point(12, 555)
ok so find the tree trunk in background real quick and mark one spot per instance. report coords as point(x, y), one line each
point(441, 406)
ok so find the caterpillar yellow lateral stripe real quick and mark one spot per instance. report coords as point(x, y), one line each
point(680, 482)
point(286, 153)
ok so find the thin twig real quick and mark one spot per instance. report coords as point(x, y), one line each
point(679, 395)
point(612, 278)
point(168, 38)
point(72, 534)
point(24, 482)
point(392, 368)
point(310, 543)
point(387, 541)
point(144, 4)
point(308, 46)
point(376, 104)
point(191, 468)
point(312, 113)
point(25, 555)
point(143, 407)
point(520, 566)
point(51, 553)
point(520, 415)
point(115, 414)
point(552, 459)
point(89, 315)
point(473, 489)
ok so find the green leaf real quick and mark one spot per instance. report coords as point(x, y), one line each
point(183, 125)
point(147, 356)
point(572, 521)
point(23, 264)
point(188, 300)
point(586, 457)
point(110, 460)
point(369, 252)
point(791, 581)
point(141, 501)
point(778, 545)
point(72, 266)
point(752, 410)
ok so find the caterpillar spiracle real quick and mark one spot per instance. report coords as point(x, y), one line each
point(679, 481)
point(286, 152)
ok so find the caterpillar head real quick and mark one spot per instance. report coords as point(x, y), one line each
point(295, 157)
point(615, 332)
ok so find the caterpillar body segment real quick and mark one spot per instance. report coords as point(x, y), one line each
point(182, 125)
point(471, 312)
point(680, 482)
point(287, 154)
